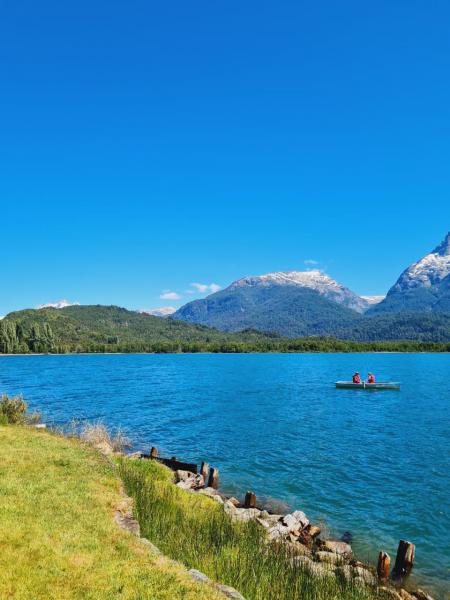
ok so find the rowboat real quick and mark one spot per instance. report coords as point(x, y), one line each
point(349, 385)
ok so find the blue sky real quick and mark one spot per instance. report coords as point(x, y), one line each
point(146, 146)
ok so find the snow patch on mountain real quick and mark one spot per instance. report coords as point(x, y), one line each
point(162, 311)
point(314, 280)
point(59, 304)
point(373, 299)
point(429, 270)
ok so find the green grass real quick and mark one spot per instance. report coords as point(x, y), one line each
point(58, 539)
point(195, 530)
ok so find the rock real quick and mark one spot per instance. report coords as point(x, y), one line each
point(297, 549)
point(218, 498)
point(365, 575)
point(263, 522)
point(404, 595)
point(301, 518)
point(192, 482)
point(421, 595)
point(301, 560)
point(245, 514)
point(346, 572)
point(40, 426)
point(182, 475)
point(229, 591)
point(341, 548)
point(135, 455)
point(265, 514)
point(320, 569)
point(312, 530)
point(389, 593)
point(150, 546)
point(278, 531)
point(208, 491)
point(329, 557)
point(198, 575)
point(234, 501)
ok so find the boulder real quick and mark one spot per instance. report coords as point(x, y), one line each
point(407, 596)
point(301, 560)
point(208, 491)
point(198, 575)
point(245, 514)
point(296, 549)
point(193, 482)
point(301, 518)
point(320, 569)
point(366, 575)
point(312, 530)
point(329, 557)
point(230, 592)
point(182, 475)
point(234, 501)
point(346, 572)
point(341, 548)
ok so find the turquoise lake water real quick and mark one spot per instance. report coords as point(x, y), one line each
point(375, 464)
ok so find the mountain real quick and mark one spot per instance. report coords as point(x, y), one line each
point(59, 304)
point(162, 311)
point(313, 280)
point(289, 304)
point(422, 287)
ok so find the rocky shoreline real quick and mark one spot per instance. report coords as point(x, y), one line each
point(301, 539)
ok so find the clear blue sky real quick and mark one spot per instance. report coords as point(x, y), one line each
point(149, 145)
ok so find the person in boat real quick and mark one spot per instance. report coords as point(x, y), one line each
point(356, 378)
point(370, 378)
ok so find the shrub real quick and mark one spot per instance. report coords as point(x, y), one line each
point(13, 410)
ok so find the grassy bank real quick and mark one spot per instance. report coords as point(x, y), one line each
point(195, 530)
point(58, 539)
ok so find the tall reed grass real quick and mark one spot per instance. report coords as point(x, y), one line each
point(195, 530)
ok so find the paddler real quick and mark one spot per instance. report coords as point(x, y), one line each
point(370, 378)
point(356, 378)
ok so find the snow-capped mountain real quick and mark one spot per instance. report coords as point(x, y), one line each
point(428, 271)
point(163, 311)
point(59, 304)
point(291, 303)
point(423, 286)
point(314, 280)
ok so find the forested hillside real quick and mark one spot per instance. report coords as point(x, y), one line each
point(114, 329)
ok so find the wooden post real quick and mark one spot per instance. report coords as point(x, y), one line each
point(154, 452)
point(404, 559)
point(383, 567)
point(213, 480)
point(204, 470)
point(250, 500)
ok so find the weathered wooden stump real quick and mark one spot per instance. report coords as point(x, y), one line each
point(383, 566)
point(204, 470)
point(213, 480)
point(250, 500)
point(154, 452)
point(404, 560)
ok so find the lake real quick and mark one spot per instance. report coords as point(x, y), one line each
point(375, 464)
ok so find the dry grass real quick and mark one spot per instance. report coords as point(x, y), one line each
point(100, 437)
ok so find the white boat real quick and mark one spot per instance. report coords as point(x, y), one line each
point(349, 385)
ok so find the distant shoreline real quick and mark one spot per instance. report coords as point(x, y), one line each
point(221, 353)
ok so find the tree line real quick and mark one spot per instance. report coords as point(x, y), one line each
point(39, 338)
